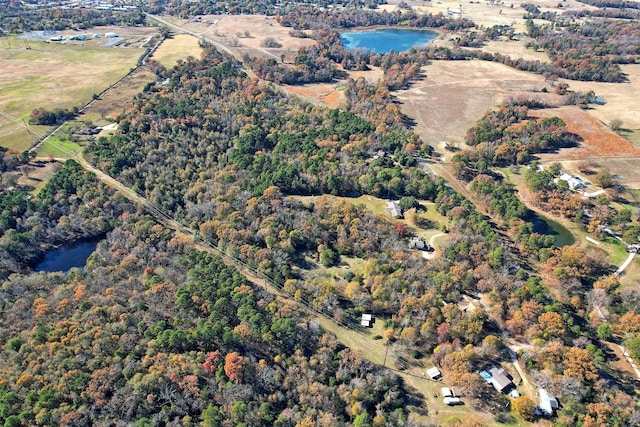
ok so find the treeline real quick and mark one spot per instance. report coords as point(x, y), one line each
point(589, 52)
point(146, 334)
point(18, 18)
point(259, 7)
point(508, 136)
point(614, 4)
point(326, 20)
point(40, 116)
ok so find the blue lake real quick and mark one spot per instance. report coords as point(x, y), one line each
point(69, 256)
point(381, 41)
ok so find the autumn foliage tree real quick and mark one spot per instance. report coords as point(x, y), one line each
point(233, 365)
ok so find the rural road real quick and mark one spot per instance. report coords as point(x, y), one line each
point(625, 264)
point(622, 348)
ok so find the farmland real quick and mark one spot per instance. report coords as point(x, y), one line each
point(177, 47)
point(50, 75)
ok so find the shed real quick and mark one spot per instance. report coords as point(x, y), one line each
point(500, 379)
point(394, 210)
point(367, 320)
point(417, 243)
point(111, 35)
point(451, 401)
point(446, 392)
point(434, 373)
point(548, 402)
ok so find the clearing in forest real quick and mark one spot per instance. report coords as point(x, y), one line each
point(245, 34)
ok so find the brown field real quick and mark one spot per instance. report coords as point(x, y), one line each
point(325, 93)
point(482, 13)
point(225, 29)
point(455, 94)
point(179, 46)
point(514, 49)
point(113, 102)
point(598, 140)
point(39, 174)
point(621, 101)
point(332, 94)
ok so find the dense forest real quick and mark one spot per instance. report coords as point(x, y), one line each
point(237, 190)
point(157, 333)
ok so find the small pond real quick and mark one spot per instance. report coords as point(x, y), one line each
point(66, 257)
point(544, 225)
point(382, 41)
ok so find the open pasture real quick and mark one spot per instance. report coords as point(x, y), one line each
point(487, 12)
point(597, 139)
point(620, 101)
point(177, 47)
point(455, 94)
point(52, 75)
point(244, 34)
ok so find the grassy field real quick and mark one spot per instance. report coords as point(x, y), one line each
point(58, 146)
point(112, 103)
point(52, 76)
point(180, 46)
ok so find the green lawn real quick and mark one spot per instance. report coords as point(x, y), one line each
point(58, 147)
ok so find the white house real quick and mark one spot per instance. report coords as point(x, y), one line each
point(394, 210)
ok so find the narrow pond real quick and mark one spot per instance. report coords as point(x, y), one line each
point(71, 255)
point(382, 41)
point(544, 225)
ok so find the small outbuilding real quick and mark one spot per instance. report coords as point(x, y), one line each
point(500, 380)
point(417, 243)
point(446, 392)
point(452, 401)
point(367, 320)
point(434, 373)
point(111, 35)
point(548, 402)
point(393, 208)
